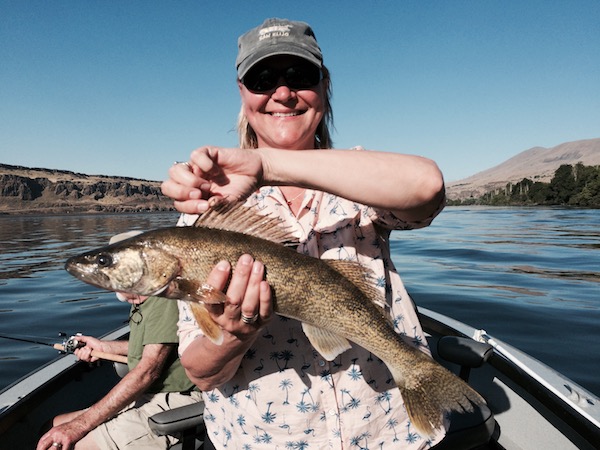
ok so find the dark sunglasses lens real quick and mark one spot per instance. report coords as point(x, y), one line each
point(302, 77)
point(263, 79)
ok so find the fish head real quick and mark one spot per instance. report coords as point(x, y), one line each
point(134, 268)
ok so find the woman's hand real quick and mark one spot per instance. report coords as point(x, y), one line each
point(209, 365)
point(213, 172)
point(249, 305)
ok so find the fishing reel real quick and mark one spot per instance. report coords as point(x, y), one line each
point(71, 343)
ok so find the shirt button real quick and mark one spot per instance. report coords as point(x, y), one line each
point(322, 363)
point(332, 412)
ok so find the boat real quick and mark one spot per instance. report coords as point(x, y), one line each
point(529, 405)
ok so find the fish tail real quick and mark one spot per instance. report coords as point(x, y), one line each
point(436, 392)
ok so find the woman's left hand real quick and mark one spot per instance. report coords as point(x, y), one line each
point(213, 172)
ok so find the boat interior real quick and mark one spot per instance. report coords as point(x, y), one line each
point(529, 406)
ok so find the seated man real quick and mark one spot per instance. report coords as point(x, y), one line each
point(155, 382)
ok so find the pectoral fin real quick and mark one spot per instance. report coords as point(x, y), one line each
point(209, 295)
point(328, 344)
point(208, 326)
point(184, 289)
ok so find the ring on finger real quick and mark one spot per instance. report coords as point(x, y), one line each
point(56, 444)
point(249, 320)
point(185, 163)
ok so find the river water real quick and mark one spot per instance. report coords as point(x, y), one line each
point(529, 276)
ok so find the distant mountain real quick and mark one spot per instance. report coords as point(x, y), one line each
point(536, 164)
point(33, 190)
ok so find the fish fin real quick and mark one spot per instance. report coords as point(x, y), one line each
point(328, 344)
point(208, 326)
point(362, 277)
point(432, 390)
point(189, 290)
point(234, 216)
point(211, 295)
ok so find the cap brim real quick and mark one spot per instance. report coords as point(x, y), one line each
point(265, 53)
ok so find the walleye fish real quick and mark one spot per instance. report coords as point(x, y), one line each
point(336, 301)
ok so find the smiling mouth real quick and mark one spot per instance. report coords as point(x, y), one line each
point(289, 114)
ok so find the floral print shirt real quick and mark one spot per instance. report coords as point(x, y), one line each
point(285, 395)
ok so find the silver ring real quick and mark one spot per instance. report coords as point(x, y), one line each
point(181, 162)
point(56, 444)
point(249, 320)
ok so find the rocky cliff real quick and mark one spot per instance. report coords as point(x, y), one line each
point(29, 190)
point(32, 190)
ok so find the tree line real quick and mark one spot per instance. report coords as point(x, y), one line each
point(577, 185)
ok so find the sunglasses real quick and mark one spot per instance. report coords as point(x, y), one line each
point(299, 76)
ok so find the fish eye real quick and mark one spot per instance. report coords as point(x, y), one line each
point(104, 260)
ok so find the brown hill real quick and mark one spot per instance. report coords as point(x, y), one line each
point(33, 190)
point(537, 164)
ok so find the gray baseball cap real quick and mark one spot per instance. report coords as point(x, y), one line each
point(277, 37)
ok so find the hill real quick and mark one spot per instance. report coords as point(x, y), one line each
point(32, 190)
point(35, 190)
point(536, 164)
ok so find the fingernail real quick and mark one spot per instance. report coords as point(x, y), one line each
point(246, 260)
point(195, 195)
point(257, 267)
point(223, 266)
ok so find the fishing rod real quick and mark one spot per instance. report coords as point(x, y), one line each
point(68, 345)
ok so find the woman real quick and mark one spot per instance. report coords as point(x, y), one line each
point(266, 386)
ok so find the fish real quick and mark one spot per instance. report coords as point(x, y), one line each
point(336, 301)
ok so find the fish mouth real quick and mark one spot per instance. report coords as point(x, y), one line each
point(75, 268)
point(84, 272)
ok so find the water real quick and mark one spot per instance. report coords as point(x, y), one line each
point(39, 298)
point(530, 277)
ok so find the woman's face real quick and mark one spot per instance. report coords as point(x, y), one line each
point(284, 117)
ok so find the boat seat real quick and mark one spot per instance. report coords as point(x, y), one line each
point(186, 422)
point(465, 352)
point(468, 430)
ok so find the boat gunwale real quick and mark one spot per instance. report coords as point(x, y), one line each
point(16, 399)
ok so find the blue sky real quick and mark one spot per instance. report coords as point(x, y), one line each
point(127, 87)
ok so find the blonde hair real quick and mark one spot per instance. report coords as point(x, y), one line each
point(247, 136)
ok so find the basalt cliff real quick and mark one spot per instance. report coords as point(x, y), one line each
point(25, 190)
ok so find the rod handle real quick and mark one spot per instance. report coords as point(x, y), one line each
point(101, 355)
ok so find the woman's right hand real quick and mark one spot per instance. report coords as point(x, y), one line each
point(209, 365)
point(248, 295)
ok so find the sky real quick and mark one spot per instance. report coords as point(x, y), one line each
point(126, 88)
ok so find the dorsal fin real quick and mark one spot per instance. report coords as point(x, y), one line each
point(234, 216)
point(361, 276)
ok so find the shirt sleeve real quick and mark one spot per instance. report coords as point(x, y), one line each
point(187, 327)
point(388, 219)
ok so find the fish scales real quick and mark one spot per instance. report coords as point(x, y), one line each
point(305, 288)
point(334, 300)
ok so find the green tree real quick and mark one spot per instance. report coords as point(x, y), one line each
point(562, 185)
